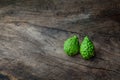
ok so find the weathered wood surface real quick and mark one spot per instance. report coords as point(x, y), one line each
point(32, 33)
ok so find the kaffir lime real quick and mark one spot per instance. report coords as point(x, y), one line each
point(71, 46)
point(87, 48)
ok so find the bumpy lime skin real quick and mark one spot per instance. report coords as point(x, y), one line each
point(71, 46)
point(87, 48)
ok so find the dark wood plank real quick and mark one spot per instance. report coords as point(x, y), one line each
point(32, 33)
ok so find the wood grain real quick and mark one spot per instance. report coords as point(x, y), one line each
point(32, 33)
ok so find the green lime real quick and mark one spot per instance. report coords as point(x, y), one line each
point(87, 48)
point(71, 46)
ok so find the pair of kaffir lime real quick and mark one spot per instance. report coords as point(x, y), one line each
point(73, 47)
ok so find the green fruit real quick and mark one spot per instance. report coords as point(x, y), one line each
point(87, 48)
point(71, 46)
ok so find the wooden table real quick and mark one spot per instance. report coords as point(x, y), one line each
point(32, 33)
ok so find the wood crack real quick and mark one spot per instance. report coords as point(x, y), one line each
point(39, 26)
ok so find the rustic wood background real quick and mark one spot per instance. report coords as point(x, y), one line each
point(32, 33)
